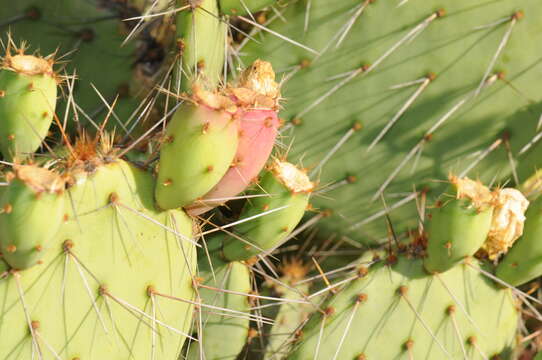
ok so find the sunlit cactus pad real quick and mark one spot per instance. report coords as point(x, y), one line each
point(401, 312)
point(473, 72)
point(115, 283)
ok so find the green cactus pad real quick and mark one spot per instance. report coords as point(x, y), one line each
point(4, 267)
point(28, 90)
point(32, 215)
point(106, 291)
point(459, 224)
point(224, 336)
point(400, 312)
point(457, 47)
point(287, 191)
point(199, 147)
point(243, 7)
point(201, 36)
point(292, 313)
point(524, 260)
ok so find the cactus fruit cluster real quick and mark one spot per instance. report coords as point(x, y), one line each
point(258, 179)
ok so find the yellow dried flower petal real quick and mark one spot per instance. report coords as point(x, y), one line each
point(507, 222)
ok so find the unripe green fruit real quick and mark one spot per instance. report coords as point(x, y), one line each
point(286, 190)
point(199, 147)
point(28, 90)
point(31, 216)
point(459, 225)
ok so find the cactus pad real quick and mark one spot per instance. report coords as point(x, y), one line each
point(401, 312)
point(107, 291)
point(436, 88)
point(223, 336)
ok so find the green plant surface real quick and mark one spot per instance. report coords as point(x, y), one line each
point(401, 312)
point(33, 213)
point(291, 315)
point(225, 335)
point(458, 225)
point(199, 148)
point(28, 89)
point(449, 119)
point(88, 38)
point(263, 233)
point(201, 35)
point(238, 7)
point(117, 286)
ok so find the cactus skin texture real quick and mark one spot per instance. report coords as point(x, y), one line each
point(92, 33)
point(459, 225)
point(292, 312)
point(4, 268)
point(200, 144)
point(451, 48)
point(283, 186)
point(28, 90)
point(524, 260)
point(33, 212)
point(238, 7)
point(223, 337)
point(120, 267)
point(374, 317)
point(107, 256)
point(201, 38)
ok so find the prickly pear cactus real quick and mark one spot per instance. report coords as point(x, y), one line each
point(224, 288)
point(98, 237)
point(426, 296)
point(264, 224)
point(202, 128)
point(293, 313)
point(398, 310)
point(27, 103)
point(459, 224)
point(88, 38)
point(201, 39)
point(115, 281)
point(284, 190)
point(435, 85)
point(523, 262)
point(33, 213)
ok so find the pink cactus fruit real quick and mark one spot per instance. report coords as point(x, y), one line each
point(256, 95)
